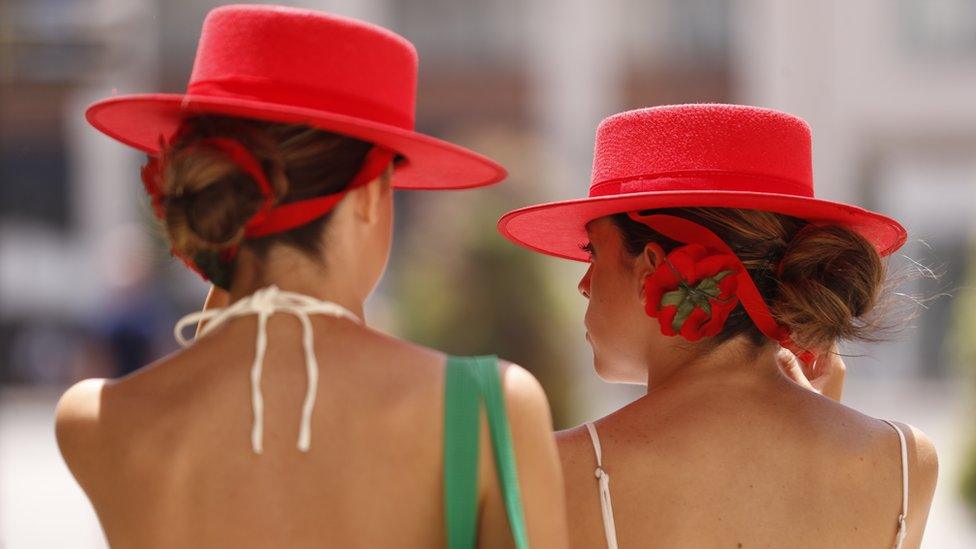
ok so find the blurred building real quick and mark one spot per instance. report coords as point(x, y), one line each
point(887, 87)
point(67, 194)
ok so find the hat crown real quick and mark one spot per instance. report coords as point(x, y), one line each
point(703, 147)
point(308, 59)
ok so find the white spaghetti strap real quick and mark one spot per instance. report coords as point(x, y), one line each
point(902, 528)
point(264, 303)
point(609, 528)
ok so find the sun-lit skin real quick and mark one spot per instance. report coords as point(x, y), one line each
point(628, 346)
point(618, 329)
point(731, 445)
point(369, 242)
point(378, 421)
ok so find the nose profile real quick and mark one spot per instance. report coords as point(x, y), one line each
point(584, 283)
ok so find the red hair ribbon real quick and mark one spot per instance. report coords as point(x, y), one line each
point(296, 214)
point(238, 154)
point(706, 252)
point(269, 219)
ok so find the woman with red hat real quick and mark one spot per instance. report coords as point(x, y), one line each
point(708, 256)
point(272, 175)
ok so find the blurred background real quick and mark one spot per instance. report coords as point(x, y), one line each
point(88, 289)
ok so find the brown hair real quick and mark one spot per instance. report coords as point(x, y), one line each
point(822, 282)
point(210, 198)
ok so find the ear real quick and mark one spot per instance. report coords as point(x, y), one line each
point(368, 199)
point(653, 255)
point(647, 263)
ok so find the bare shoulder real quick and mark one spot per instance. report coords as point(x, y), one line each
point(77, 418)
point(540, 477)
point(573, 440)
point(854, 433)
point(525, 399)
point(923, 473)
point(384, 350)
point(926, 457)
point(575, 449)
point(79, 406)
point(923, 460)
point(90, 413)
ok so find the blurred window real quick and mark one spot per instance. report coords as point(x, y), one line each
point(33, 180)
point(47, 47)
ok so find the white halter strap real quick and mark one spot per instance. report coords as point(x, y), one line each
point(264, 303)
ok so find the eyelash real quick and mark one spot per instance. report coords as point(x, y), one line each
point(588, 248)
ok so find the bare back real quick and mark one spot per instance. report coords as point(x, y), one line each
point(766, 464)
point(167, 462)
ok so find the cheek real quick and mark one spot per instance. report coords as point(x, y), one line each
point(619, 330)
point(612, 302)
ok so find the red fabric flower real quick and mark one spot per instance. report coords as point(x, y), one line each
point(693, 291)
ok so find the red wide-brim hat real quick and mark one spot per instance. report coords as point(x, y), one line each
point(304, 67)
point(681, 156)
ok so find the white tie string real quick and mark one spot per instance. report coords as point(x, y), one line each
point(257, 399)
point(264, 303)
point(606, 507)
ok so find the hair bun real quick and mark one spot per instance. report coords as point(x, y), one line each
point(829, 280)
point(210, 199)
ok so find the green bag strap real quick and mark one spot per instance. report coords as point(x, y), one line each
point(461, 437)
point(501, 437)
point(468, 382)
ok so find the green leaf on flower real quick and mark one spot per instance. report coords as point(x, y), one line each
point(721, 275)
point(708, 286)
point(684, 309)
point(673, 297)
point(687, 297)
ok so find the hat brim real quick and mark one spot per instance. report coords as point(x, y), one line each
point(559, 228)
point(430, 163)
